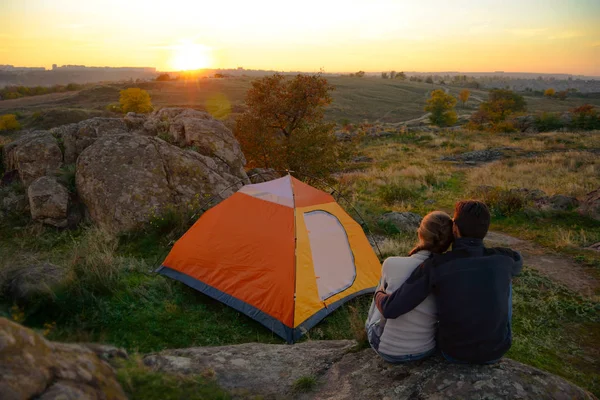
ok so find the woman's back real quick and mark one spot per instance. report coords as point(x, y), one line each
point(413, 332)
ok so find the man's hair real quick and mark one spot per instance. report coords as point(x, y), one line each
point(472, 218)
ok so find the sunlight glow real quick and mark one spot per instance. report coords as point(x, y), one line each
point(189, 56)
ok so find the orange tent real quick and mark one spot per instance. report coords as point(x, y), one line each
point(281, 252)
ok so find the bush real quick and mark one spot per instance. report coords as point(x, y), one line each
point(585, 117)
point(548, 122)
point(501, 202)
point(135, 100)
point(504, 127)
point(441, 106)
point(501, 103)
point(8, 122)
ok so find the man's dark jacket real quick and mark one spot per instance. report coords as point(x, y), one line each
point(471, 284)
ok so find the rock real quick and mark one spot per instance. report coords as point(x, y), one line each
point(23, 282)
point(107, 352)
point(77, 137)
point(340, 373)
point(557, 202)
point(344, 136)
point(48, 201)
point(362, 159)
point(530, 194)
point(209, 137)
point(124, 179)
point(403, 221)
point(478, 156)
point(590, 205)
point(258, 175)
point(33, 155)
point(33, 367)
point(595, 247)
point(12, 201)
point(135, 122)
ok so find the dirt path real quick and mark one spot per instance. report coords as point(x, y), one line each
point(558, 268)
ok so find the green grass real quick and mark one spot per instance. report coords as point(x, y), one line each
point(141, 383)
point(304, 384)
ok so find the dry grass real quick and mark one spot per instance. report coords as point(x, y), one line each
point(396, 246)
point(571, 173)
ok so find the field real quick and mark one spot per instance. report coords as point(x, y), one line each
point(114, 296)
point(354, 99)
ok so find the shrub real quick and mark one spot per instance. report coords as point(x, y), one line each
point(501, 202)
point(395, 192)
point(549, 92)
point(548, 122)
point(501, 103)
point(135, 100)
point(464, 95)
point(504, 127)
point(441, 106)
point(585, 117)
point(163, 78)
point(8, 122)
point(359, 74)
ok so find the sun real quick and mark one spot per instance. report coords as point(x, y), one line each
point(191, 56)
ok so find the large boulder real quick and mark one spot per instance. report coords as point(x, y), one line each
point(34, 368)
point(77, 137)
point(403, 221)
point(48, 201)
point(339, 373)
point(124, 179)
point(33, 155)
point(590, 205)
point(198, 129)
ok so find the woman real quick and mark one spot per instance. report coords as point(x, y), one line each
point(412, 335)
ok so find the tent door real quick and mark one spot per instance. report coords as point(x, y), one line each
point(331, 253)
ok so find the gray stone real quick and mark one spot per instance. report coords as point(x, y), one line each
point(25, 281)
point(342, 373)
point(403, 221)
point(558, 202)
point(478, 156)
point(258, 175)
point(198, 129)
point(48, 201)
point(590, 205)
point(124, 179)
point(33, 155)
point(530, 194)
point(362, 159)
point(33, 367)
point(77, 137)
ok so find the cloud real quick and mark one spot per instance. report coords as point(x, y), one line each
point(527, 32)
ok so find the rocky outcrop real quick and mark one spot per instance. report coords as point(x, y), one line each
point(26, 281)
point(33, 155)
point(124, 179)
point(48, 201)
point(590, 205)
point(258, 175)
point(558, 202)
point(34, 368)
point(340, 373)
point(77, 137)
point(402, 221)
point(478, 156)
point(198, 129)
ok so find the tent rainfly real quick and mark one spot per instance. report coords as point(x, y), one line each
point(282, 252)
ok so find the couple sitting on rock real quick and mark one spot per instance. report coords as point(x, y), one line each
point(460, 300)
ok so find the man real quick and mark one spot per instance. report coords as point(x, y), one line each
point(472, 286)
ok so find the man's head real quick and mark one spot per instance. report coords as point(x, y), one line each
point(471, 219)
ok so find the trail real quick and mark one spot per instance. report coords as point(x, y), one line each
point(558, 268)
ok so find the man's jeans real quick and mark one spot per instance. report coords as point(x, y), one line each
point(509, 334)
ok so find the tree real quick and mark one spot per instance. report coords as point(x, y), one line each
point(501, 103)
point(8, 122)
point(384, 75)
point(392, 74)
point(360, 74)
point(401, 76)
point(463, 96)
point(283, 127)
point(135, 100)
point(429, 80)
point(549, 92)
point(561, 95)
point(441, 106)
point(163, 78)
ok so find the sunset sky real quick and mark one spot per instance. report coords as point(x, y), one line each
point(427, 35)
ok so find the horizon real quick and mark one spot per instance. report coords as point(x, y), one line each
point(550, 37)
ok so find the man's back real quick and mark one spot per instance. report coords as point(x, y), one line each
point(472, 287)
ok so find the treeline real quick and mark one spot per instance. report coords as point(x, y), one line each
point(16, 92)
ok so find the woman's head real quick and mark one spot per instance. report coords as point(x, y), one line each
point(435, 233)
